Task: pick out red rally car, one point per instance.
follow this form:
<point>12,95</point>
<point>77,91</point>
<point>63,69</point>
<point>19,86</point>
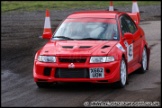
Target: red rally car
<point>92,46</point>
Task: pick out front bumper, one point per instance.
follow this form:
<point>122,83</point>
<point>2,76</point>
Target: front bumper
<point>111,72</point>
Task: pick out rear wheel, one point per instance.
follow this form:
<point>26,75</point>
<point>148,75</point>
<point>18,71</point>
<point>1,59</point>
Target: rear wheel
<point>123,75</point>
<point>144,61</point>
<point>44,84</point>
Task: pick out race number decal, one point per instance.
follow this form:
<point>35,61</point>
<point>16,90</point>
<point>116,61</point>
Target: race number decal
<point>130,52</point>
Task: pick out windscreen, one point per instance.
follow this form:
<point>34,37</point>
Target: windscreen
<point>88,28</point>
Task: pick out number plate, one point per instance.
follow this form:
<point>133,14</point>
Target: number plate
<point>96,72</point>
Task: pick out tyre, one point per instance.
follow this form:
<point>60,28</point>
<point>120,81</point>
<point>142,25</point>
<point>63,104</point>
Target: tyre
<point>43,84</point>
<point>144,61</point>
<point>123,75</point>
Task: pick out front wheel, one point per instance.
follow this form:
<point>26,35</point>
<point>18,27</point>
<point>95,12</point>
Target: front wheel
<point>123,75</point>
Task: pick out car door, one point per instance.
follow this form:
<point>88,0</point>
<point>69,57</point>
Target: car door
<point>137,40</point>
<point>132,45</point>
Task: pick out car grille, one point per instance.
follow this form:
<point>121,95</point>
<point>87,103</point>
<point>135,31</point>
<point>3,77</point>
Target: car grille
<point>71,73</point>
<point>72,60</point>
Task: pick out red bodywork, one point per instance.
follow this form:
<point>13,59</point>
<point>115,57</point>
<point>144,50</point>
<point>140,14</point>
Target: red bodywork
<point>93,48</point>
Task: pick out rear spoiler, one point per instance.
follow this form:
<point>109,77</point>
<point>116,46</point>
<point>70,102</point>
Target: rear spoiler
<point>135,16</point>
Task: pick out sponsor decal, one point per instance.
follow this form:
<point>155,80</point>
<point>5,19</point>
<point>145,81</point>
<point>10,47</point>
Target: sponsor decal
<point>120,47</point>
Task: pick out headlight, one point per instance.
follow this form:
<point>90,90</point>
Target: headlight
<point>101,59</point>
<point>47,58</point>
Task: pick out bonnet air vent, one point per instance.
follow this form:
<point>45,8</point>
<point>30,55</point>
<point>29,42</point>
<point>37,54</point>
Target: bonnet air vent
<point>105,46</point>
<point>67,46</point>
<point>85,46</point>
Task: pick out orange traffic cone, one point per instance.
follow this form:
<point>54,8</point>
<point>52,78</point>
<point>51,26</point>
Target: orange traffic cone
<point>47,26</point>
<point>111,8</point>
<point>135,8</point>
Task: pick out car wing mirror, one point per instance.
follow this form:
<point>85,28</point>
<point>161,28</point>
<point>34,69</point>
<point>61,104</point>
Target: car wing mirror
<point>128,35</point>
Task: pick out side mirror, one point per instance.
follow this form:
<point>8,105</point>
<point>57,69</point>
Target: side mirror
<point>47,35</point>
<point>128,35</point>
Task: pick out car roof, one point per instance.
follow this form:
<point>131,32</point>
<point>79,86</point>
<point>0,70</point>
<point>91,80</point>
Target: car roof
<point>94,14</point>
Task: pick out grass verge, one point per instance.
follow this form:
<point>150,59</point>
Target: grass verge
<point>60,5</point>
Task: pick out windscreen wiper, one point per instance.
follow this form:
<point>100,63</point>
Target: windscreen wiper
<point>63,37</point>
<point>91,39</point>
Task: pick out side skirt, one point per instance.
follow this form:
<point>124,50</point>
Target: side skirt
<point>133,68</point>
